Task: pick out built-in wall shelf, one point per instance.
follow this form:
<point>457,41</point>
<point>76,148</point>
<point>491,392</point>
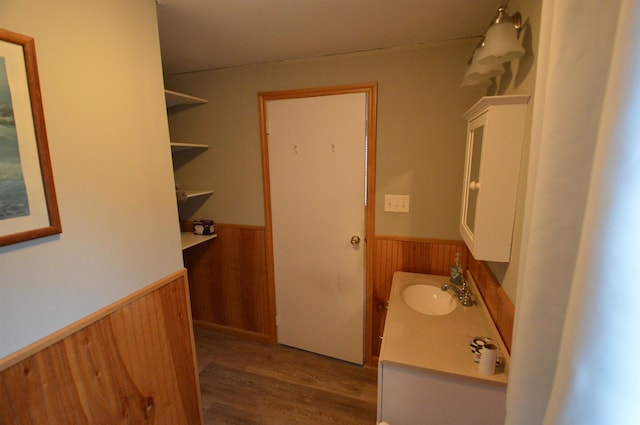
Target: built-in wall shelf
<point>173,98</point>
<point>188,239</point>
<point>194,193</point>
<point>177,147</point>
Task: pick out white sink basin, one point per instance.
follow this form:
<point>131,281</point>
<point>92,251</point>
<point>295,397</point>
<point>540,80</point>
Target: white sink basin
<point>427,299</point>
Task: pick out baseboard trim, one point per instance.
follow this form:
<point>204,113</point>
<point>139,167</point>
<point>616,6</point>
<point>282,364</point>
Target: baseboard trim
<point>421,240</point>
<point>228,330</point>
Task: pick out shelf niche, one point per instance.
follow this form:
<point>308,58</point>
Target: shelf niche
<point>177,147</point>
<point>173,98</point>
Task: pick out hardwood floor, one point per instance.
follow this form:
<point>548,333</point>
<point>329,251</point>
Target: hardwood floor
<point>246,382</point>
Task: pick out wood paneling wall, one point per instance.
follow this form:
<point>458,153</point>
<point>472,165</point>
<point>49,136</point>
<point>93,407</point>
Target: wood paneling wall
<point>230,292</point>
<point>498,303</point>
<point>394,254</point>
<point>229,287</point>
<point>130,363</point>
<point>433,257</point>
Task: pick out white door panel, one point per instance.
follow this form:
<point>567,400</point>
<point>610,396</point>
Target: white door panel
<point>317,162</point>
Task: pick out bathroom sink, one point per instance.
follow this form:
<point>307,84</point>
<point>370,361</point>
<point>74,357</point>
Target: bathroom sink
<point>428,299</point>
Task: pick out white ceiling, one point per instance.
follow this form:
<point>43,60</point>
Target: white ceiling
<point>210,34</point>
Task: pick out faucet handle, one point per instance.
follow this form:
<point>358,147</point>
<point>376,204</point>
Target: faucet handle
<point>466,298</point>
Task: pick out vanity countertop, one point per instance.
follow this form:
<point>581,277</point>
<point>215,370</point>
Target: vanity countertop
<point>438,343</point>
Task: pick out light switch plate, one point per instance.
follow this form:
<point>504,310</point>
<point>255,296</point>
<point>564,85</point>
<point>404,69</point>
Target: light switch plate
<point>396,203</point>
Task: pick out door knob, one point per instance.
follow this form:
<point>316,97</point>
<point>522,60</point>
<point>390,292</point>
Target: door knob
<point>355,240</point>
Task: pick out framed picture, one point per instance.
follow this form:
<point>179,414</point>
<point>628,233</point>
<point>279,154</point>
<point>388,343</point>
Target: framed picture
<point>28,206</point>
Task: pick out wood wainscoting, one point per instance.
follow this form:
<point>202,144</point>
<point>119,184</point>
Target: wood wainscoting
<point>394,253</point>
<point>431,256</point>
<point>498,303</point>
<point>132,362</point>
<point>230,292</point>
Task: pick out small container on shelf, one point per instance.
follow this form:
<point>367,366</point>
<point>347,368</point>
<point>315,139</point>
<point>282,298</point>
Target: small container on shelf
<point>203,227</point>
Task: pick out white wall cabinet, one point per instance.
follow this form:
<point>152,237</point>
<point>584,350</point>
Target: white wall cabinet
<point>495,133</point>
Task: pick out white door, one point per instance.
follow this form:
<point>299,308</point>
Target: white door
<point>317,181</point>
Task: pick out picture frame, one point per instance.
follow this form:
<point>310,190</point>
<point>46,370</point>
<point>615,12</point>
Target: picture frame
<point>28,203</point>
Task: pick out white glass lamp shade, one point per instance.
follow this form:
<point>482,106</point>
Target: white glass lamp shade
<point>500,44</point>
<point>478,73</point>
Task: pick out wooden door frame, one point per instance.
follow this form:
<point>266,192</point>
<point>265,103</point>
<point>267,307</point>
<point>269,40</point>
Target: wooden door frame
<point>371,89</point>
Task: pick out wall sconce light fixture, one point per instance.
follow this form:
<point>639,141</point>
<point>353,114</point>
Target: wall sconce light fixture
<point>499,45</point>
<point>480,73</point>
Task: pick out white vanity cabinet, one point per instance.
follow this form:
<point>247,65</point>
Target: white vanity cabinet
<point>426,371</point>
<point>495,133</point>
<point>410,396</point>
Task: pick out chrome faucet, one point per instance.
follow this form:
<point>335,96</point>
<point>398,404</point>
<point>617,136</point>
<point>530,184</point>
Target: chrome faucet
<point>458,283</point>
<point>462,292</point>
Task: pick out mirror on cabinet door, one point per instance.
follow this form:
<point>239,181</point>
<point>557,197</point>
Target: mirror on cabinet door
<point>495,132</point>
<point>473,181</point>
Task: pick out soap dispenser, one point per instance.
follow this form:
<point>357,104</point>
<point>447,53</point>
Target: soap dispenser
<point>456,273</point>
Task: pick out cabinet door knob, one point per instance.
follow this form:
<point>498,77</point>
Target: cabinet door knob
<point>355,240</point>
<point>474,185</point>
